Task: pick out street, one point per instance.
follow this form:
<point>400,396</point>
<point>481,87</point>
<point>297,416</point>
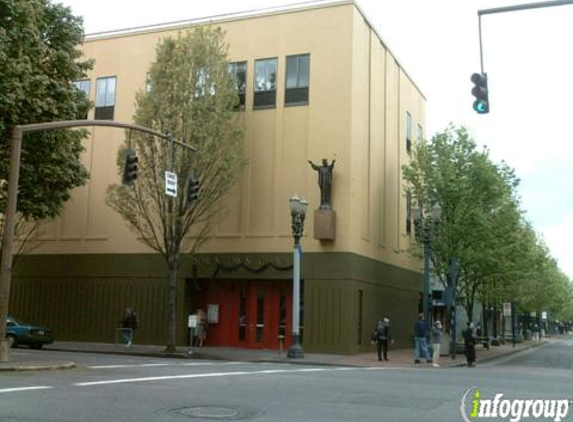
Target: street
<point>106,388</point>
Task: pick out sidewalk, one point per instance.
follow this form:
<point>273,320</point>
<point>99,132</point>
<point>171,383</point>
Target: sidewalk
<point>26,359</point>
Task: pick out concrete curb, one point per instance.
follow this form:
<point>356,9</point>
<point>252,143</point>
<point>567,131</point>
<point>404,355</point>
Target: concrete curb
<point>502,355</point>
<point>176,355</point>
<point>36,367</point>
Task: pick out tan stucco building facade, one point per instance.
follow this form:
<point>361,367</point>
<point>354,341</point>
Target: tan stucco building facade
<point>361,109</point>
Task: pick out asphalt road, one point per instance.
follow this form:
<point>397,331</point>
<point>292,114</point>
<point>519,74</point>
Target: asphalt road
<point>108,388</point>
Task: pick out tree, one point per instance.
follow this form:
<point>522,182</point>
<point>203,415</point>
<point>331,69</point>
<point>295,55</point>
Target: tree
<point>192,95</point>
<point>479,208</point>
<point>483,228</point>
<point>39,61</point>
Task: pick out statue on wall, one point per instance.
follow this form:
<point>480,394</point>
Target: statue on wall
<point>324,182</point>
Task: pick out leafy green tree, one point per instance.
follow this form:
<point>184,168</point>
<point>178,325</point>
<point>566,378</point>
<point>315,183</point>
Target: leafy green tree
<point>192,95</point>
<point>479,208</point>
<point>39,60</point>
<point>501,259</point>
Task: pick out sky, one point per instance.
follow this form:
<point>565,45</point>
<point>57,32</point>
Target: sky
<point>526,56</point>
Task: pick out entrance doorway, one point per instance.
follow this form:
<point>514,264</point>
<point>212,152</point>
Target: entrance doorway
<point>251,314</point>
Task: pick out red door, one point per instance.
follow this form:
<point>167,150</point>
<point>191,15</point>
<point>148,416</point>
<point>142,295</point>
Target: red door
<point>252,314</point>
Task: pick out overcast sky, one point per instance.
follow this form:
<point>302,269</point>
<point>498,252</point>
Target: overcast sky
<point>527,56</point>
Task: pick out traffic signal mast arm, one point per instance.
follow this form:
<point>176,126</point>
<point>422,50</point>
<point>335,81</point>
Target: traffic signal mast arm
<point>481,104</point>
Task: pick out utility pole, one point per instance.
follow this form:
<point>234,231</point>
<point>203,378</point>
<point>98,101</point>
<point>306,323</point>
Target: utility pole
<point>12,199</point>
<point>481,105</point>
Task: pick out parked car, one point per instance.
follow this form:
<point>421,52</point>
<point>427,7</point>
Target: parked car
<point>34,336</point>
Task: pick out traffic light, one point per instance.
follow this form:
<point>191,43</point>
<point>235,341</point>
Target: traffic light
<point>479,91</point>
<point>192,190</point>
<point>130,167</point>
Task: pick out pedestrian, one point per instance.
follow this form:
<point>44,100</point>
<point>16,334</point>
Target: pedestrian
<point>470,344</point>
<point>129,324</point>
<point>201,329</point>
<point>436,341</point>
<point>420,343</point>
<point>381,336</point>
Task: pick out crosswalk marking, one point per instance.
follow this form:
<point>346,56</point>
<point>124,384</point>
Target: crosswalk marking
<point>13,390</point>
<point>150,365</point>
<point>212,375</point>
<point>200,375</point>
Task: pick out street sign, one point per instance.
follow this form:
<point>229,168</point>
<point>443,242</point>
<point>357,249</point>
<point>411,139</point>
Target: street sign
<point>171,184</point>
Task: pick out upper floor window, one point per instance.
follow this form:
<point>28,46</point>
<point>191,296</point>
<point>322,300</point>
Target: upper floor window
<point>105,98</point>
<point>203,83</point>
<point>85,86</point>
<point>148,82</point>
<point>408,131</point>
<point>408,212</point>
<point>238,71</point>
<point>420,133</point>
<point>265,83</point>
<point>297,79</point>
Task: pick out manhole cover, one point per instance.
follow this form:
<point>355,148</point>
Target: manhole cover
<point>210,412</point>
<point>215,412</point>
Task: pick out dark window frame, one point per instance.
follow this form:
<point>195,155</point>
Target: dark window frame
<point>265,99</point>
<point>301,89</point>
<point>408,131</point>
<point>78,85</point>
<point>241,91</point>
<point>106,111</point>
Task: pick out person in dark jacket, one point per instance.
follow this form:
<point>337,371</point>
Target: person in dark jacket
<point>129,324</point>
<point>470,344</point>
<point>382,337</point>
<point>420,342</point>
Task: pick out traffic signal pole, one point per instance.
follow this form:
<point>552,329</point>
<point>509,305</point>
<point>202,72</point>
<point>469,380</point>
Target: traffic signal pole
<point>517,7</point>
<point>12,199</point>
<point>480,90</point>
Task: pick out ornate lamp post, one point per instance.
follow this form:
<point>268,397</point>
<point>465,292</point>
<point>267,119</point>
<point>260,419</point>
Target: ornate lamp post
<point>423,230</point>
<point>298,208</point>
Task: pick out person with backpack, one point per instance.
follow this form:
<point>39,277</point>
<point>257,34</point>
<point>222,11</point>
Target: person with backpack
<point>381,335</point>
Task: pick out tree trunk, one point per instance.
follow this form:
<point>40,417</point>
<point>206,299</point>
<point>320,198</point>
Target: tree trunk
<point>171,345</point>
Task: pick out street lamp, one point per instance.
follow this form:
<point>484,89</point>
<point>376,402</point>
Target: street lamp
<point>423,230</point>
<point>298,208</point>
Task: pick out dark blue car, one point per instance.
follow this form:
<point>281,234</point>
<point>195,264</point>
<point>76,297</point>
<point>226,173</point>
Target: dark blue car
<point>34,336</point>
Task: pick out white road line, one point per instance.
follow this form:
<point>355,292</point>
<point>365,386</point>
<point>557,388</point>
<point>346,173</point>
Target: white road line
<point>13,390</point>
<point>148,365</point>
<point>209,375</point>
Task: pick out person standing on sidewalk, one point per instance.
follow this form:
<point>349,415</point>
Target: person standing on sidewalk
<point>382,335</point>
<point>436,341</point>
<point>420,343</point>
<point>470,344</point>
<point>129,323</point>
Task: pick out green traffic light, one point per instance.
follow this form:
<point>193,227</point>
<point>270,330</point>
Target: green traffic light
<point>481,107</point>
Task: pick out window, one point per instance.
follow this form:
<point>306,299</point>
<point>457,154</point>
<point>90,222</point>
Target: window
<point>420,133</point>
<point>297,79</point>
<point>265,83</point>
<point>105,98</point>
<point>203,83</point>
<point>408,212</point>
<point>148,82</point>
<point>85,86</point>
<point>238,73</point>
<point>408,131</point>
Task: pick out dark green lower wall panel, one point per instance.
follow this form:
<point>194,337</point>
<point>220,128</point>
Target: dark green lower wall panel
<point>82,297</point>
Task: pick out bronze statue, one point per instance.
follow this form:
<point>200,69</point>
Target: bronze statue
<point>324,182</point>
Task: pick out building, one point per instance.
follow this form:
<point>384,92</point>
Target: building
<point>351,102</point>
